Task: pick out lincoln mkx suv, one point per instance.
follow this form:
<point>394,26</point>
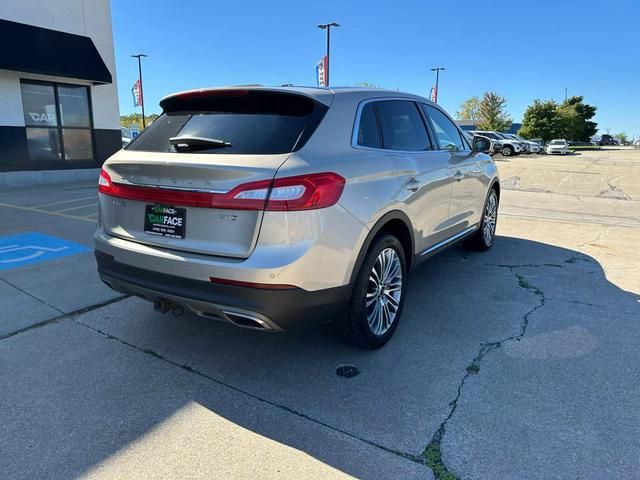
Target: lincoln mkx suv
<point>276,208</point>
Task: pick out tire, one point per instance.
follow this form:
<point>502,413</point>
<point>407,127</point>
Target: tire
<point>507,151</point>
<point>371,326</point>
<point>484,237</point>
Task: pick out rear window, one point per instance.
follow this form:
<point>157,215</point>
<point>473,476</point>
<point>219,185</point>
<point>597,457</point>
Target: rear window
<point>232,122</point>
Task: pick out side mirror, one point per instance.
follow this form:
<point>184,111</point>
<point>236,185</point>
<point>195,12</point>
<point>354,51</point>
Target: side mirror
<point>481,144</point>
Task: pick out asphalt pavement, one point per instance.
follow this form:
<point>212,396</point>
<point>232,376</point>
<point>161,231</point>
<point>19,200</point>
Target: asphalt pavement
<point>520,362</point>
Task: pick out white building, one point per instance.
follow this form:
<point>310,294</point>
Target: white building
<point>58,96</point>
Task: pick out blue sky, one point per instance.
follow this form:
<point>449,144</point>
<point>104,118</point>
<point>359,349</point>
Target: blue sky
<point>520,49</point>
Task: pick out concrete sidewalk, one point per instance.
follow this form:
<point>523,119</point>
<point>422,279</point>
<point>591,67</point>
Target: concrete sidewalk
<point>39,292</point>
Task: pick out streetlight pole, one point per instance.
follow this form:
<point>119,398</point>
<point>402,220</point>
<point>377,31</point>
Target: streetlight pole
<point>139,57</point>
<point>437,70</point>
<point>327,27</point>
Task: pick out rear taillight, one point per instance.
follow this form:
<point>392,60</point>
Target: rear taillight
<point>104,182</point>
<point>303,192</point>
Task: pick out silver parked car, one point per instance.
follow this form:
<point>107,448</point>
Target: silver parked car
<point>275,208</point>
<point>559,146</point>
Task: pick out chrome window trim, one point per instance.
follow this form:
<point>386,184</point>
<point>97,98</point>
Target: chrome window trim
<point>416,101</point>
<point>356,125</point>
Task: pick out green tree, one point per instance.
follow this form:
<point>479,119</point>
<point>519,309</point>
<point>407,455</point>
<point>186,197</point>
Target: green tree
<point>576,118</point>
<point>541,120</point>
<point>469,109</point>
<point>135,120</point>
<point>622,136</point>
<point>492,113</point>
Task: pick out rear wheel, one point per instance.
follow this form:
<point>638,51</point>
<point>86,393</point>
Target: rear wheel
<point>484,237</point>
<point>378,295</point>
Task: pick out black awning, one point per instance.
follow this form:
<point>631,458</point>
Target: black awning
<point>26,48</point>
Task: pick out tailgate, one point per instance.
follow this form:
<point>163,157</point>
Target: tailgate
<point>161,212</point>
<point>197,179</point>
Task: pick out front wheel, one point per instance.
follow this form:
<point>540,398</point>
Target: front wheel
<point>378,295</point>
<point>507,150</point>
<point>485,235</point>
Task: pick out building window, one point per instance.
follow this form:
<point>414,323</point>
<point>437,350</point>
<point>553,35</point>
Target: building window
<point>58,122</point>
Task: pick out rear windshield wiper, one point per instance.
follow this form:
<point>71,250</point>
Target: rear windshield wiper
<point>197,143</point>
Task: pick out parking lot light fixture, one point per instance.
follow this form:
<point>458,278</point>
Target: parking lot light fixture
<point>327,27</point>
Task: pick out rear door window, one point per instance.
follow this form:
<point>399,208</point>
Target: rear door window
<point>402,126</point>
<point>368,131</point>
<point>447,134</point>
<point>245,122</point>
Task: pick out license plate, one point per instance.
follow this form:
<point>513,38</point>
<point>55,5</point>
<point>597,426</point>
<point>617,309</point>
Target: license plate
<point>165,221</point>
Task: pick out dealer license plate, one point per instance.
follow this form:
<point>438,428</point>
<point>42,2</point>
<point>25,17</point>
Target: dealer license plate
<point>165,221</point>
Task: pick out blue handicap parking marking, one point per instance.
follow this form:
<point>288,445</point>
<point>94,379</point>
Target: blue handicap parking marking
<point>28,248</point>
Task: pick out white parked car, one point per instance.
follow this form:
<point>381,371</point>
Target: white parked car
<point>559,146</point>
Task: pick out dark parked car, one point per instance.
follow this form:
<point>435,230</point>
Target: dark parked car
<point>607,140</point>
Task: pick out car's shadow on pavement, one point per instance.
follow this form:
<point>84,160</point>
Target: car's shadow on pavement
<point>462,309</point>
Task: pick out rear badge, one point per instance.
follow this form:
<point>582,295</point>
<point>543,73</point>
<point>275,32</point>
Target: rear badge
<point>227,218</point>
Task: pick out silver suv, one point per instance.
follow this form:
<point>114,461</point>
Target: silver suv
<point>275,208</point>
<point>508,146</point>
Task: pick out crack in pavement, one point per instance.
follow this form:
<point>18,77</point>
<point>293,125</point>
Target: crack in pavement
<point>580,255</point>
<point>64,316</point>
<point>432,454</point>
<point>192,370</point>
<point>22,290</point>
<point>523,265</point>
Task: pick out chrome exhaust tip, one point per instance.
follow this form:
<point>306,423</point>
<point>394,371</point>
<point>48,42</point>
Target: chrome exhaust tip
<point>246,321</point>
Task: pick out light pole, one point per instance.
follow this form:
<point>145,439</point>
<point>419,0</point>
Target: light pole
<point>327,27</point>
<point>139,57</point>
<point>437,70</point>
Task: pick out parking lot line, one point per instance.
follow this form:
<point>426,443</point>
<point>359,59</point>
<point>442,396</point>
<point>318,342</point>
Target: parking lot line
<point>47,212</point>
<point>87,205</point>
<point>65,201</point>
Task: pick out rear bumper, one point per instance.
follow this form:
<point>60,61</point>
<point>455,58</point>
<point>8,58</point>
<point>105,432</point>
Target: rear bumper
<point>265,309</point>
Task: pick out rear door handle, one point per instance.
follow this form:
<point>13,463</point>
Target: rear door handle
<point>413,185</point>
<point>458,175</point>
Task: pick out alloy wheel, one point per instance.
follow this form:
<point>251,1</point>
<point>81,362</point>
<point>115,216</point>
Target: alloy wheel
<point>490,218</point>
<point>384,291</point>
